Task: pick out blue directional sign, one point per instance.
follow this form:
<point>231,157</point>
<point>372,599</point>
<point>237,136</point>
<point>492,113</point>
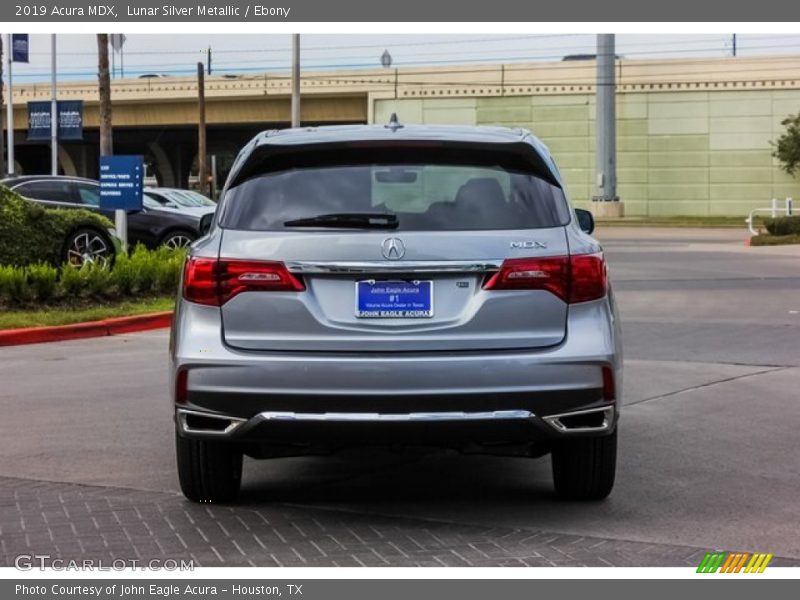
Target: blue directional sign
<point>121,181</point>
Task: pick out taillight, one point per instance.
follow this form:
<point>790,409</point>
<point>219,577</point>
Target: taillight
<point>551,274</point>
<point>578,278</point>
<point>213,282</point>
<point>588,277</point>
<point>237,276</point>
<point>200,281</point>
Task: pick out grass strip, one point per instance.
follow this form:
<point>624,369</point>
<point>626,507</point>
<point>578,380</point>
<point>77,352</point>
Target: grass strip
<point>65,315</point>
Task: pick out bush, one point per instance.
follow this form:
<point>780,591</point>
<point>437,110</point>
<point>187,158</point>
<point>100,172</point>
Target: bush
<point>43,279</point>
<point>124,280</point>
<point>14,288</point>
<point>97,280</point>
<point>168,268</point>
<point>144,265</point>
<point>71,283</point>
<point>31,234</point>
<point>774,240</point>
<point>783,225</point>
<point>143,273</point>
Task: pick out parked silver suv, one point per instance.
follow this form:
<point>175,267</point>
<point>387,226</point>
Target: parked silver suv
<point>413,285</point>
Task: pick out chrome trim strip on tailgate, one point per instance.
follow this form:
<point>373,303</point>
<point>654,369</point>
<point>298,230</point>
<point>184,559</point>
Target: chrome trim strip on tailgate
<point>422,266</point>
<point>399,417</point>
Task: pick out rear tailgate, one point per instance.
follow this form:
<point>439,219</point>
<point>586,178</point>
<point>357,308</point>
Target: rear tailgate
<point>462,315</point>
<point>446,215</point>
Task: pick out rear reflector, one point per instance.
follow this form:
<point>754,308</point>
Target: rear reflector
<point>181,386</point>
<point>578,278</point>
<point>213,282</point>
<point>609,387</point>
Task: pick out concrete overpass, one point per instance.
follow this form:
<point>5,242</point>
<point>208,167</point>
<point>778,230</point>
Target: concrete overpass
<point>157,117</point>
<point>679,120</point>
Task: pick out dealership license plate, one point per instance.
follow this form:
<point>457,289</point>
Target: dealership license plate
<point>394,299</point>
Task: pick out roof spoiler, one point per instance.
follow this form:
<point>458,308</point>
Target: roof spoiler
<point>270,158</point>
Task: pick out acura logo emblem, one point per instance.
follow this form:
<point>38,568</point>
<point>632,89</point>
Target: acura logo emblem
<point>393,249</point>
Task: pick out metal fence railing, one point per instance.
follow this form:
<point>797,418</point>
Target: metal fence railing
<point>773,211</point>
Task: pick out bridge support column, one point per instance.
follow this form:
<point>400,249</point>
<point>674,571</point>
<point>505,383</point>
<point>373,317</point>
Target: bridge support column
<point>163,165</point>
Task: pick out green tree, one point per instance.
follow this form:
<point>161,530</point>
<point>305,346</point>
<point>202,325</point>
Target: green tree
<point>787,148</point>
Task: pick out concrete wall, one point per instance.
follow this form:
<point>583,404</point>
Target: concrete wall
<point>683,152</point>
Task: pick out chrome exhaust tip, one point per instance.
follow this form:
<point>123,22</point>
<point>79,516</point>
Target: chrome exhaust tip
<point>202,423</point>
<point>591,420</point>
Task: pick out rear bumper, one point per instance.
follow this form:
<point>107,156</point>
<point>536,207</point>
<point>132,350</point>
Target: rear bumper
<point>343,398</point>
<point>327,431</point>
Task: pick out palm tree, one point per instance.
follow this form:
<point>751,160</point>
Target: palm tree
<point>106,142</point>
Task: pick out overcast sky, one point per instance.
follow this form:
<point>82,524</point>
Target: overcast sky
<point>178,54</point>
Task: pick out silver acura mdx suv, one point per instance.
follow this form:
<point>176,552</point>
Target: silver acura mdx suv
<point>395,285</point>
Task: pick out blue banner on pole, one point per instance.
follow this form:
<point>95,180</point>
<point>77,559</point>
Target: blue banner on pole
<point>70,120</point>
<point>121,182</point>
<point>19,47</point>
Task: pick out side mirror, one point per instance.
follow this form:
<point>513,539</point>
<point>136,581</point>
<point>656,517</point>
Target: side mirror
<point>205,224</point>
<point>585,220</point>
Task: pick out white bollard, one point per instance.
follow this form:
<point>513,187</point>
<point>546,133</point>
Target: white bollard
<point>774,207</point>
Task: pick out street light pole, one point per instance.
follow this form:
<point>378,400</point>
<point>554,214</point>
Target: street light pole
<point>2,136</point>
<point>606,136</point>
<point>10,101</point>
<point>53,109</point>
<point>296,80</point>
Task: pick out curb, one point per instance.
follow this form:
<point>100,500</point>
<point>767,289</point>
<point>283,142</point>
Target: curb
<point>75,331</point>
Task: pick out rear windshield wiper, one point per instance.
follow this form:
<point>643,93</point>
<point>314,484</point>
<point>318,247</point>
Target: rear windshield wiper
<point>351,220</point>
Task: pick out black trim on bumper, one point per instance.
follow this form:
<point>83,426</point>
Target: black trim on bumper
<point>540,403</point>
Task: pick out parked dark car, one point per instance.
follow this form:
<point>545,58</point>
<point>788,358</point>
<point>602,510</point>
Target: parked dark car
<point>31,233</point>
<point>153,226</point>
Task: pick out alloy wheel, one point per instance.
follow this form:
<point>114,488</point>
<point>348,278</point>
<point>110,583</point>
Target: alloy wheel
<point>87,247</point>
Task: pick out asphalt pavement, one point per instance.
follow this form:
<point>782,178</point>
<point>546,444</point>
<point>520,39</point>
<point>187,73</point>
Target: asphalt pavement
<point>708,435</point>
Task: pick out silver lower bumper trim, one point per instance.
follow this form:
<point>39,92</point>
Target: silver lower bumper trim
<point>396,417</point>
<point>229,424</point>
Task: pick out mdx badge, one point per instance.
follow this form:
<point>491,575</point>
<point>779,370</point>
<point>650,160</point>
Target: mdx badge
<point>528,244</point>
<point>393,249</point>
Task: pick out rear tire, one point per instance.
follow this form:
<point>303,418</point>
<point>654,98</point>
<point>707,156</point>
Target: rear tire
<point>584,468</point>
<point>209,471</point>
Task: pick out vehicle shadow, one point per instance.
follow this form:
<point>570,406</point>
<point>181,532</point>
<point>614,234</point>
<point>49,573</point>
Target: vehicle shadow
<point>370,478</point>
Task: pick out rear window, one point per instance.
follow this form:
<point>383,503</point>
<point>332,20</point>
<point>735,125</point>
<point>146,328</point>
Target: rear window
<point>438,196</point>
